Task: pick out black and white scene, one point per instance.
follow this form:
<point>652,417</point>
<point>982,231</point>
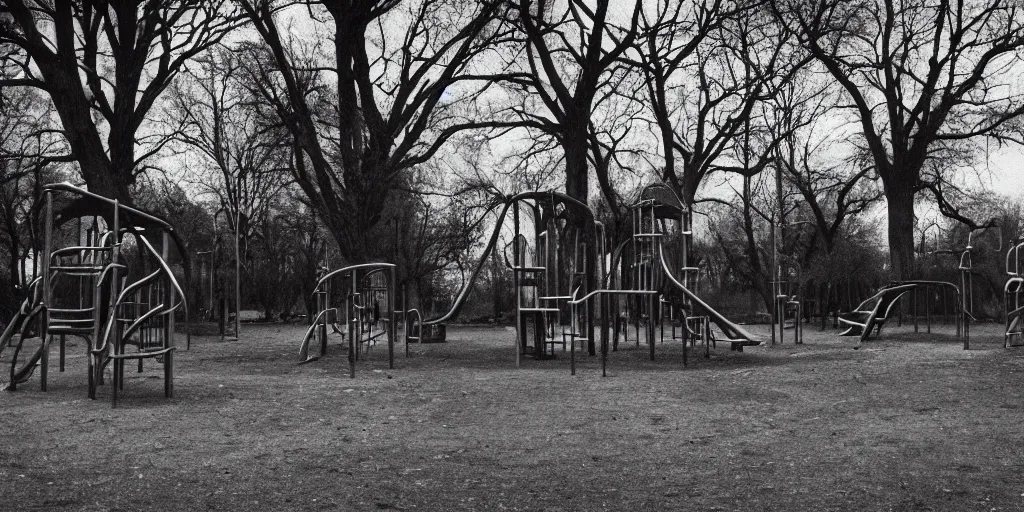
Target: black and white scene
<point>534,255</point>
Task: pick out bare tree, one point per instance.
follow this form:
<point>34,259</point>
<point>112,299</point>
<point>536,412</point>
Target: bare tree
<point>707,67</point>
<point>213,115</point>
<point>833,189</point>
<point>113,59</point>
<point>571,55</point>
<point>31,152</point>
<point>923,77</point>
<point>389,104</point>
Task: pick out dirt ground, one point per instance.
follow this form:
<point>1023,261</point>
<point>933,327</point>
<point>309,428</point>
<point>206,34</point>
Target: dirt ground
<point>912,422</point>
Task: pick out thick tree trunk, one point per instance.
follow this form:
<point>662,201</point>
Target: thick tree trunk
<point>900,198</point>
<point>576,175</point>
<point>82,135</point>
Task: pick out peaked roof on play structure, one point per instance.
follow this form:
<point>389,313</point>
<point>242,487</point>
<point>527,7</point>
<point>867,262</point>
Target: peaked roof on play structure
<point>667,204</point>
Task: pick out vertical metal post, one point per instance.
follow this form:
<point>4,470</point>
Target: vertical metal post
<point>238,273</point>
<point>572,340</point>
<point>604,349</point>
<point>928,308</point>
<point>650,323</point>
<point>913,299</point>
<point>516,264</point>
<point>966,279</point>
<point>169,326</point>
<point>393,325</point>
<point>44,316</point>
<point>212,275</point>
<point>406,327</point>
<point>115,279</point>
<point>353,326</point>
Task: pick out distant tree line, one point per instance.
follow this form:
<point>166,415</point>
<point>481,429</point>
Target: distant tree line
<point>332,132</point>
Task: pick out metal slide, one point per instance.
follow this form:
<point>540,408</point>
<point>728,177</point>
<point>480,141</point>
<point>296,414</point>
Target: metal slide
<point>467,287</point>
<point>863,319</point>
<point>732,331</point>
<point>20,325</point>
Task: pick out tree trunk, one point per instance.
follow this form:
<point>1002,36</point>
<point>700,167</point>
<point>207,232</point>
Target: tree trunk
<point>576,175</point>
<point>900,198</point>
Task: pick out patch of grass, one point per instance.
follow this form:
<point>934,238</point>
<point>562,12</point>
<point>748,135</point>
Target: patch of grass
<point>911,422</point>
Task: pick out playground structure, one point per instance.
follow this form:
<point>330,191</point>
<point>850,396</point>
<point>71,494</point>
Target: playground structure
<point>366,311</point>
<point>874,311</point>
<point>786,289</point>
<point>1013,295</point>
<point>109,283</point>
<point>643,271</point>
<point>789,305</point>
<point>542,289</point>
<point>546,270</point>
<point>558,257</point>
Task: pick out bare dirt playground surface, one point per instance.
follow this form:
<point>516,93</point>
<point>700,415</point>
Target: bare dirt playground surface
<point>911,422</point>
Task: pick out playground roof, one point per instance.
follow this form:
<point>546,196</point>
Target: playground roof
<point>667,203</point>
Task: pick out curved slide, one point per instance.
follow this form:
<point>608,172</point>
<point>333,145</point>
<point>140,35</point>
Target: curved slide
<point>20,324</point>
<point>498,224</point>
<point>874,311</point>
<point>732,331</point>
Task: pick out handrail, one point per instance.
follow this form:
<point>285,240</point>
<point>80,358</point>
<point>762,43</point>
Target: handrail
<point>304,347</point>
<point>12,326</point>
<point>136,285</point>
<point>103,275</point>
<point>174,282</point>
<point>156,311</point>
<point>113,316</point>
<point>167,270</point>
<point>30,291</point>
<point>1013,280</point>
<point>68,187</point>
<point>1015,250</point>
<point>79,248</point>
<point>19,376</point>
<point>969,265</point>
<point>350,268</point>
<point>612,292</point>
